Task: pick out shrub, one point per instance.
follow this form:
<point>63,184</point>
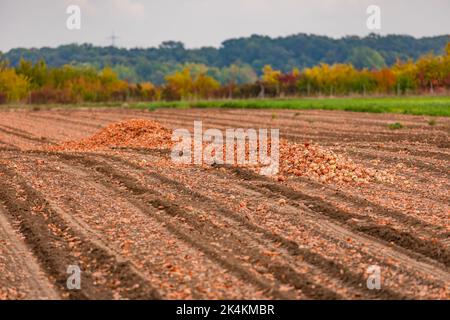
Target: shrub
<point>50,95</point>
<point>395,126</point>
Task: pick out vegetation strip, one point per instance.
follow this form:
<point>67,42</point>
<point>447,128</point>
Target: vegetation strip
<point>439,106</point>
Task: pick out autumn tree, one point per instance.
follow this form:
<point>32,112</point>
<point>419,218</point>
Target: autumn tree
<point>36,74</point>
<point>405,74</point>
<point>78,83</point>
<point>316,79</point>
<point>270,79</point>
<point>204,86</point>
<point>180,84</point>
<point>446,67</point>
<point>13,86</point>
<point>385,79</point>
<point>148,91</point>
<point>365,82</point>
<point>428,72</point>
<point>288,82</point>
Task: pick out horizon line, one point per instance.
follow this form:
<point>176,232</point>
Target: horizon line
<point>237,38</point>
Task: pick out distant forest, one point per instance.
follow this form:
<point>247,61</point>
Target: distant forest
<point>249,54</point>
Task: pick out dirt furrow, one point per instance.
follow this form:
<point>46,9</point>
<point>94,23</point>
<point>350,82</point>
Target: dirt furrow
<point>390,159</point>
<point>358,203</point>
<point>22,135</point>
<point>134,228</point>
<point>22,278</point>
<point>140,226</point>
<point>7,145</point>
<point>362,136</point>
<point>48,118</point>
<point>58,246</point>
<point>327,117</point>
<point>378,252</point>
<point>410,151</point>
<point>54,131</point>
<point>210,232</point>
<point>179,188</point>
<point>242,225</point>
<point>308,125</point>
<point>405,240</point>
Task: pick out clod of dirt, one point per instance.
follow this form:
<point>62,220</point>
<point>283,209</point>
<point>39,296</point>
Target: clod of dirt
<point>134,133</point>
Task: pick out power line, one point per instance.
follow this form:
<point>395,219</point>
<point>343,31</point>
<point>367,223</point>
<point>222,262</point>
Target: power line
<point>113,39</point>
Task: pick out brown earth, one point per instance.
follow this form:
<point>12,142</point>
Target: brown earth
<point>140,227</point>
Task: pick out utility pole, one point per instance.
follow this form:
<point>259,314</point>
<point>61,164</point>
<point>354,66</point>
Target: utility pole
<point>113,39</point>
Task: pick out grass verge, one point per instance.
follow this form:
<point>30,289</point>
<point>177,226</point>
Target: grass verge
<point>417,105</point>
<point>431,106</point>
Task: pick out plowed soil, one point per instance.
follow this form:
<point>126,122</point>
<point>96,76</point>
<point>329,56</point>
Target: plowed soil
<point>140,227</point>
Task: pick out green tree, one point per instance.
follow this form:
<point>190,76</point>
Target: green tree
<point>36,74</point>
<point>126,73</point>
<point>364,57</point>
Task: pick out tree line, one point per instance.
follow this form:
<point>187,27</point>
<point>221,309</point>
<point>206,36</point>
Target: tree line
<point>39,83</point>
<point>250,54</point>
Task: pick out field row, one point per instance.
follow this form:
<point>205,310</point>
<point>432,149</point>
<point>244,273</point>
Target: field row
<point>140,227</point>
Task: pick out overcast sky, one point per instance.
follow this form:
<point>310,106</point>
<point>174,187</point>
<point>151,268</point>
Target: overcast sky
<point>145,23</point>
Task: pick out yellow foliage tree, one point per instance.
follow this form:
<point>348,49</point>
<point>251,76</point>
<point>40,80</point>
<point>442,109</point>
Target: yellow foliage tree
<point>15,87</point>
<point>181,82</point>
<point>270,76</point>
<point>205,86</point>
<point>405,74</point>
